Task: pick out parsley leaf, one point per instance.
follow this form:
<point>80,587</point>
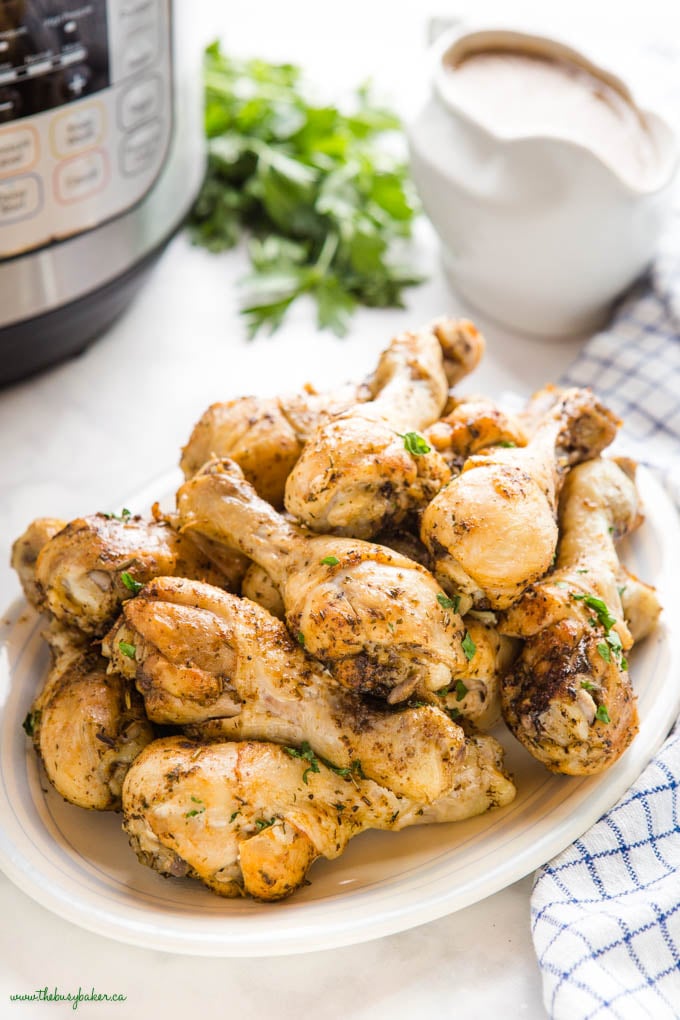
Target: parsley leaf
<point>330,561</point>
<point>599,606</point>
<point>446,603</point>
<point>604,651</point>
<point>306,754</point>
<point>130,583</point>
<point>461,689</point>
<point>469,647</point>
<point>127,649</point>
<point>124,515</point>
<point>415,444</point>
<point>602,714</point>
<point>195,811</point>
<point>301,638</point>
<point>264,823</point>
<point>321,196</point>
<point>30,722</point>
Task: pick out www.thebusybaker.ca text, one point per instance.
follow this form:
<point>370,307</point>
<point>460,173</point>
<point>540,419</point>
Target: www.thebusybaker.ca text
<point>45,995</point>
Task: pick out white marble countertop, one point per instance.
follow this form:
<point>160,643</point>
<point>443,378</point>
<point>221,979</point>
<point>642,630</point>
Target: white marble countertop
<point>88,434</point>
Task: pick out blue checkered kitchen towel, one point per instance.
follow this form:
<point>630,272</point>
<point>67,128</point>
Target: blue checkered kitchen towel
<point>606,911</point>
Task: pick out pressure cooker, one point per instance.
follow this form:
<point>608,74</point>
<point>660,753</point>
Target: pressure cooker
<point>101,157</point>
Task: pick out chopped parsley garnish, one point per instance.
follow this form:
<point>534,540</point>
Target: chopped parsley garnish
<point>130,583</point>
<point>621,590</point>
<point>599,606</point>
<point>301,638</point>
<point>352,770</point>
<point>453,712</point>
<point>446,603</point>
<point>469,647</point>
<point>415,444</point>
<point>461,689</point>
<point>391,626</point>
<point>307,755</point>
<point>30,722</point>
<point>602,714</point>
<point>196,811</point>
<point>124,515</point>
<point>587,686</point>
<point>604,651</point>
<point>330,561</point>
<point>507,443</point>
<point>127,649</point>
<point>235,814</point>
<point>583,570</point>
<point>264,823</point>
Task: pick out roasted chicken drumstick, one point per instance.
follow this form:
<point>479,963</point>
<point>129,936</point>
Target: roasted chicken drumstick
<point>375,618</point>
<point>86,725</point>
<point>264,435</point>
<point>366,468</point>
<point>200,656</point>
<point>568,698</point>
<point>87,569</point>
<point>492,531</point>
<point>250,818</point>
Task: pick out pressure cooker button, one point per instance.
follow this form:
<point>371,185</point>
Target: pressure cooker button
<point>140,50</point>
<point>20,198</point>
<point>10,105</point>
<point>80,177</point>
<point>140,102</point>
<point>77,129</point>
<point>140,148</point>
<point>75,82</point>
<point>18,150</point>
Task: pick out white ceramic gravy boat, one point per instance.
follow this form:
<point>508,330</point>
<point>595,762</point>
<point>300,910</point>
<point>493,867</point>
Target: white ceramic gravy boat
<point>538,231</point>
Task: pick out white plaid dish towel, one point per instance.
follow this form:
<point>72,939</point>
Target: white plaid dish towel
<point>606,912</point>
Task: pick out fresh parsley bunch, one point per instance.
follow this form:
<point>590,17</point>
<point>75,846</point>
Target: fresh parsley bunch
<point>320,194</point>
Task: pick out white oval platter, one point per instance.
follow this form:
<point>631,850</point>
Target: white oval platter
<point>79,865</point>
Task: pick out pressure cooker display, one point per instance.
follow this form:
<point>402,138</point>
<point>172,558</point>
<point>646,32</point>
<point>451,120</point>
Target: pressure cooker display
<point>85,114</point>
<point>51,53</point>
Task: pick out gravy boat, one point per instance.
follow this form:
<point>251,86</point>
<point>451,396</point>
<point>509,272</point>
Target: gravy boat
<point>538,231</point>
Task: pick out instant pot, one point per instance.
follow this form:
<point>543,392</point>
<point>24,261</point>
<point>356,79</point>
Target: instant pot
<point>101,157</point>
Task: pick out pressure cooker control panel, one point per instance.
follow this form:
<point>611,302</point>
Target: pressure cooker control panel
<point>85,113</point>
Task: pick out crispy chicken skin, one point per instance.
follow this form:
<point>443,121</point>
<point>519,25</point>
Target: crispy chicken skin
<point>355,475</point>
<point>25,553</point>
<point>492,531</point>
<point>264,435</point>
<point>569,698</point>
<point>471,424</point>
<point>223,664</point>
<point>79,570</point>
<point>87,726</point>
<point>372,616</point>
<point>249,819</point>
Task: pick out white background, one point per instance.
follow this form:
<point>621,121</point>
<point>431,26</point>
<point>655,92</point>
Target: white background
<point>86,435</point>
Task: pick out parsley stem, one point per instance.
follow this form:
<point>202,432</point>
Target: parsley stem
<point>327,254</point>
